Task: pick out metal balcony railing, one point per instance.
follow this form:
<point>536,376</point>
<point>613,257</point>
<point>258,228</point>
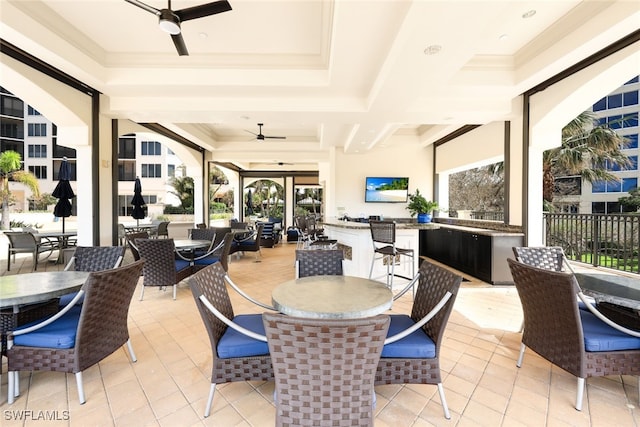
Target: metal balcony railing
<point>611,240</point>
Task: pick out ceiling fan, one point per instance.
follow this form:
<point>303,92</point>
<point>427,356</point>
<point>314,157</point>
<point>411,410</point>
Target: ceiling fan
<point>169,20</point>
<point>261,137</point>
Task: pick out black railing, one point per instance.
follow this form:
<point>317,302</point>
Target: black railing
<point>488,215</point>
<point>611,241</point>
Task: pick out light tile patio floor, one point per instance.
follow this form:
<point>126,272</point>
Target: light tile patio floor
<point>169,383</point>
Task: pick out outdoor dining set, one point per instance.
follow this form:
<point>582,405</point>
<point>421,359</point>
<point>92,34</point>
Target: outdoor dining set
<point>321,322</point>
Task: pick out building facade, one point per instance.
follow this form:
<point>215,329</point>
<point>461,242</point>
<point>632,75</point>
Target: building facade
<point>26,131</point>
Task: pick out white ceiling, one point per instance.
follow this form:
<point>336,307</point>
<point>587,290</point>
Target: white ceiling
<point>350,74</point>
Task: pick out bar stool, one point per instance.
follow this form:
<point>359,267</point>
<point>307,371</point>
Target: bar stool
<point>383,234</point>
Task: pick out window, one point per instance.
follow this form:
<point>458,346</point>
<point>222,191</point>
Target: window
<point>39,171</point>
<point>630,98</point>
<point>37,150</point>
<point>37,129</point>
<point>632,141</point>
<point>600,105</point>
<point>171,171</point>
<point>598,187</point>
<point>615,101</point>
<point>170,151</point>
<point>151,170</point>
<point>633,80</point>
<point>126,170</point>
<point>629,184</point>
<point>32,111</point>
<point>151,148</point>
<point>150,200</point>
<point>72,169</point>
<point>127,148</point>
<point>11,106</point>
<point>630,120</point>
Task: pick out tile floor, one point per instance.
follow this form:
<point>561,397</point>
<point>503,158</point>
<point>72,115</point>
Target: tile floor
<point>169,383</point>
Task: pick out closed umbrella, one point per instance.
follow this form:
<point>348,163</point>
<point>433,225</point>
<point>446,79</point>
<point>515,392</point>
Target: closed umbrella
<point>139,206</point>
<point>63,192</point>
<point>249,203</point>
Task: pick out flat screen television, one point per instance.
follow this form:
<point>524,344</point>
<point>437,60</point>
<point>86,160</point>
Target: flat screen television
<point>386,190</point>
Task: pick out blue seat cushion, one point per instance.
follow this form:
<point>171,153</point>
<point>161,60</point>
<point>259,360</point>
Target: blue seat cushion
<point>182,264</point>
<point>598,336</point>
<point>207,261</point>
<point>417,345</point>
<point>66,299</point>
<point>234,344</point>
<point>244,243</point>
<point>59,334</point>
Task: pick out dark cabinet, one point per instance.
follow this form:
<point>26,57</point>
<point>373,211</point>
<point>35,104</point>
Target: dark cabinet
<point>481,255</point>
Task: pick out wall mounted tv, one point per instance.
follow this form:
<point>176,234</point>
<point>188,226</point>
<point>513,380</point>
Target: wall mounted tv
<point>386,190</point>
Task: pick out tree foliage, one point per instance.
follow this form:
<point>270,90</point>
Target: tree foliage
<point>587,149</point>
<point>10,170</point>
<point>183,187</point>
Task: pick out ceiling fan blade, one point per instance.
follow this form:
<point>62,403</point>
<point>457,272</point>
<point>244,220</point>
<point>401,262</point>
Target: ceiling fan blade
<point>202,10</point>
<point>252,133</point>
<point>276,137</point>
<point>144,6</point>
<point>178,41</point>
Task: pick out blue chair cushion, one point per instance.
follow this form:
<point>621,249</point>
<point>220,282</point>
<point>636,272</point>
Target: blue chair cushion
<point>207,261</point>
<point>182,264</point>
<point>66,299</point>
<point>59,334</point>
<point>234,344</point>
<point>598,336</point>
<point>417,345</point>
<point>244,243</point>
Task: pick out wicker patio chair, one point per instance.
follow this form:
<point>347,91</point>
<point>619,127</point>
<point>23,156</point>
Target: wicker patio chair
<point>411,354</point>
<point>238,345</point>
<point>25,242</point>
<point>324,369</point>
<point>579,341</point>
<point>161,268</point>
<point>219,253</point>
<point>319,262</point>
<point>81,338</point>
<point>383,236</point>
<point>547,257</point>
<point>131,242</point>
<point>202,234</point>
<point>92,258</point>
<point>162,230</point>
<point>249,242</point>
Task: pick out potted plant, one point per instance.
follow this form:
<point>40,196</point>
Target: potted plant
<point>419,205</point>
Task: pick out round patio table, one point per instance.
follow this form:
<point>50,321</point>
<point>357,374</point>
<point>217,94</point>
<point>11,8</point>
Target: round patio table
<point>30,288</point>
<point>332,297</point>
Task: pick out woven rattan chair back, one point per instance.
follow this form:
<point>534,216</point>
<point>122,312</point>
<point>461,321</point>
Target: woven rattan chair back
<point>383,232</point>
<point>319,262</point>
<point>546,257</point>
<point>203,234</point>
<point>133,246</point>
<point>433,283</point>
<point>97,258</point>
<point>324,369</point>
<point>160,264</point>
<point>102,328</point>
<point>210,282</point>
<point>163,229</point>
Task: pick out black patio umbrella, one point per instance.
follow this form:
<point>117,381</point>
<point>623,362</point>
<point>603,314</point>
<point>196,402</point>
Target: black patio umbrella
<point>139,206</point>
<point>63,192</point>
<point>249,203</point>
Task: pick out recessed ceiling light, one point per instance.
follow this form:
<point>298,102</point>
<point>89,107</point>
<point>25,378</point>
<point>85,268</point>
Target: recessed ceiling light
<point>432,49</point>
<point>503,37</point>
<point>528,14</point>
<point>203,35</point>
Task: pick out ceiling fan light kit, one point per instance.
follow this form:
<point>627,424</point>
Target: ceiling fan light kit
<point>169,23</point>
<point>170,20</point>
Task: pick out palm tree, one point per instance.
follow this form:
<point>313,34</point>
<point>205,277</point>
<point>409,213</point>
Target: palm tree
<point>587,149</point>
<point>183,189</point>
<point>10,164</point>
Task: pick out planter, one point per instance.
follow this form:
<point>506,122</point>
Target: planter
<point>424,218</point>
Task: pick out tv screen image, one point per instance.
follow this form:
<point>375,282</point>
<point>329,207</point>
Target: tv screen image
<point>386,190</point>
